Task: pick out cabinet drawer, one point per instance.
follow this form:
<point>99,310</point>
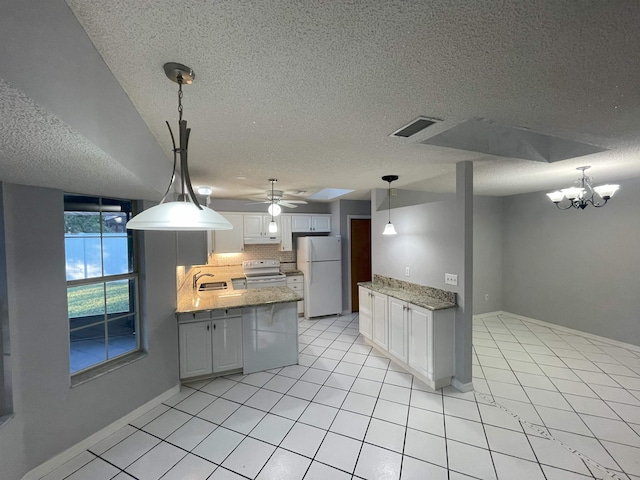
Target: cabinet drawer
<point>294,279</point>
<point>298,288</point>
<point>226,313</point>
<point>194,316</point>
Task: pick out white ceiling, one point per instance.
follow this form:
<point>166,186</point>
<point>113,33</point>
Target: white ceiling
<point>308,92</point>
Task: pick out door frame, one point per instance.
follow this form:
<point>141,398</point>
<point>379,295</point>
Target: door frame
<point>349,218</point>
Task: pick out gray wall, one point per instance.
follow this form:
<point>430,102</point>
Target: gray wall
<point>575,268</point>
<point>487,254</point>
<point>49,415</point>
<point>347,208</point>
<point>427,244</point>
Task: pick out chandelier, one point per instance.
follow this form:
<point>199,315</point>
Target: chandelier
<point>186,213</point>
<point>584,194</point>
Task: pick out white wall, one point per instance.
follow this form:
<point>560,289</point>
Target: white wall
<point>575,268</point>
<point>49,415</point>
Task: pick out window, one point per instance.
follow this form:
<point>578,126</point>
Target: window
<point>102,281</point>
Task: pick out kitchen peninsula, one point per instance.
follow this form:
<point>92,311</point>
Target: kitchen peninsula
<point>231,330</point>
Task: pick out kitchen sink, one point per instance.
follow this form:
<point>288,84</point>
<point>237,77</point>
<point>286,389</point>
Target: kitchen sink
<point>209,286</point>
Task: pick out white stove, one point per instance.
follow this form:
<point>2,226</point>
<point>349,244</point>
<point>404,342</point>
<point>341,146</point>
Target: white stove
<point>263,273</point>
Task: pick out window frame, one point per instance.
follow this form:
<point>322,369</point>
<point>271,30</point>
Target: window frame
<point>102,281</point>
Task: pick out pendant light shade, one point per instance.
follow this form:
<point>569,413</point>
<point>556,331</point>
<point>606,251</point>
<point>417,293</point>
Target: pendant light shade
<point>273,209</point>
<point>179,216</point>
<point>186,213</point>
<point>389,229</point>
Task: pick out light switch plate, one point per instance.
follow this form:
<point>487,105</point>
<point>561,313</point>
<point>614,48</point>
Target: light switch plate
<point>450,279</point>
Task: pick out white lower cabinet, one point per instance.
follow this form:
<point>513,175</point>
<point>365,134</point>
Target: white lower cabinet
<point>420,340</point>
<point>227,344</point>
<point>365,297</point>
<point>196,352</point>
<point>210,342</point>
<point>296,283</point>
<point>398,329</point>
<point>380,321</point>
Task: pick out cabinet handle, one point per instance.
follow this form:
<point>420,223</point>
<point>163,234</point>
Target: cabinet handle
<point>214,326</point>
<point>207,328</point>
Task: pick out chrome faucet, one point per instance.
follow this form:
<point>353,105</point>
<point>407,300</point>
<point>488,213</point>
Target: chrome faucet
<point>197,277</point>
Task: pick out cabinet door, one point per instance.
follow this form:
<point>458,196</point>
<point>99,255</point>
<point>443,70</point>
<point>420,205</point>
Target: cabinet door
<point>380,333</point>
<point>253,226</point>
<point>364,314</point>
<point>321,223</point>
<point>300,223</point>
<point>231,241</point>
<point>286,244</point>
<point>420,330</point>
<point>398,313</point>
<point>227,344</point>
<point>195,349</point>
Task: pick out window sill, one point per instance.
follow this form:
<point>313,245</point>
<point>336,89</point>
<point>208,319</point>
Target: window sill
<point>88,375</point>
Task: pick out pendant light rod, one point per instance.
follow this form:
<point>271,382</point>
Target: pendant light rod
<point>389,228</point>
<point>185,214</point>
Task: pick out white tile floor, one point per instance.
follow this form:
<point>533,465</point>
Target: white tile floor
<point>548,405</point>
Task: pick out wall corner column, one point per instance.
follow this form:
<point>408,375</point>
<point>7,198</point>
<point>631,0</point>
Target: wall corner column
<point>464,313</point>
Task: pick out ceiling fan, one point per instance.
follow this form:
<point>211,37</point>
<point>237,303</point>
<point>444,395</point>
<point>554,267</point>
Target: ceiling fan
<point>275,200</point>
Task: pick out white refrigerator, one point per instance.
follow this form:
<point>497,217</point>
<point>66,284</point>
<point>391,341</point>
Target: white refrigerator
<point>319,259</point>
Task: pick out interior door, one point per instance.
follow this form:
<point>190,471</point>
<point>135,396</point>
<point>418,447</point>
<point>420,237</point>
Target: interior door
<point>360,256</point>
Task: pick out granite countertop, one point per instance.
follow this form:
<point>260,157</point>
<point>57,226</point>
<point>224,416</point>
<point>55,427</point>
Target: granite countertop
<point>190,300</point>
<point>412,293</point>
<point>292,273</point>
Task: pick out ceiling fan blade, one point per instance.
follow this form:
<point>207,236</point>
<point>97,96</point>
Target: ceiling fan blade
<point>256,203</point>
<point>301,202</point>
<point>285,203</point>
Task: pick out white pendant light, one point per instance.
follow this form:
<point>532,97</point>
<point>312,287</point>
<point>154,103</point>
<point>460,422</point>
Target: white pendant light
<point>186,213</point>
<point>273,226</point>
<point>389,229</point>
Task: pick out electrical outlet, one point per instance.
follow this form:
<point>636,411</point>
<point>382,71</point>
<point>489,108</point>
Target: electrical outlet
<point>486,297</point>
<point>450,279</point>
<point>406,271</point>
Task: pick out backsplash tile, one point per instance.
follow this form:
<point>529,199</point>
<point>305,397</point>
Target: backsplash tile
<point>254,252</point>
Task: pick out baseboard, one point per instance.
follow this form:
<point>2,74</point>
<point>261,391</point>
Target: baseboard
<point>461,387</point>
<point>62,458</point>
<point>562,328</point>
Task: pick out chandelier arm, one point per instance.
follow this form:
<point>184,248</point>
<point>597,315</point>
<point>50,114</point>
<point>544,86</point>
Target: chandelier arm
<point>175,160</point>
<point>184,141</point>
<point>565,208</point>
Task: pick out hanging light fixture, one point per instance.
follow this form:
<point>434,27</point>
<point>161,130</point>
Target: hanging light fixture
<point>584,194</point>
<point>273,226</point>
<point>389,229</point>
<point>274,209</point>
<point>185,213</point>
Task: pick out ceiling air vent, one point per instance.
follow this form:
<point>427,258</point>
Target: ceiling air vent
<point>414,127</point>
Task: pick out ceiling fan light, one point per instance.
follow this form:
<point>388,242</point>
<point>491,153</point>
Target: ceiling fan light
<point>204,190</point>
<point>389,229</point>
<point>178,216</point>
<point>606,191</point>
<point>274,209</point>
<point>556,196</point>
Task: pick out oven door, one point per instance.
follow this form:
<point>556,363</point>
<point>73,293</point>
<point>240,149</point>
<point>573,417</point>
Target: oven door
<point>264,282</point>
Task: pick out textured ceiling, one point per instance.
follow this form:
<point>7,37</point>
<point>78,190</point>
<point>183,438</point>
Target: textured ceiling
<point>308,92</point>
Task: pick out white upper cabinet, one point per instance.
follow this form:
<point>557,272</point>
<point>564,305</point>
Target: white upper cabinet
<point>230,241</point>
<point>311,223</point>
<point>286,242</point>
<point>256,229</point>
